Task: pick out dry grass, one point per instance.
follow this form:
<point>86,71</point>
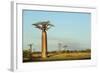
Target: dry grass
<point>60,56</point>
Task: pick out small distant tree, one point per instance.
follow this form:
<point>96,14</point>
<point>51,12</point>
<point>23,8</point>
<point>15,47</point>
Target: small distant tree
<point>26,54</point>
<point>30,50</point>
<point>88,50</point>
<point>65,48</point>
<point>59,46</point>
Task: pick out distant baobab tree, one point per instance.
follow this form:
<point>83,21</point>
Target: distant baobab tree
<point>65,46</point>
<point>30,50</point>
<point>59,46</point>
<point>44,26</point>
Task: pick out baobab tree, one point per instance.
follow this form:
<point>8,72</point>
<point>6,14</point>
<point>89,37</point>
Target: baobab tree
<point>65,46</point>
<point>44,26</point>
<point>59,46</point>
<point>30,50</point>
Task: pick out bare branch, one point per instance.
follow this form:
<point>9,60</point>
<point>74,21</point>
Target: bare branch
<point>43,25</point>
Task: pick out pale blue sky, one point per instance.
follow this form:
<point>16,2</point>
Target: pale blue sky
<point>73,29</point>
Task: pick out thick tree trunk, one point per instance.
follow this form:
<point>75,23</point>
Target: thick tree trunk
<point>44,44</point>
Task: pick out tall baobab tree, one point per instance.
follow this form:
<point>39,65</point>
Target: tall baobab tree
<point>44,26</point>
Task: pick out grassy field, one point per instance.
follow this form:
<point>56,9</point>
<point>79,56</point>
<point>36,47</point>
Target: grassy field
<point>58,56</point>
